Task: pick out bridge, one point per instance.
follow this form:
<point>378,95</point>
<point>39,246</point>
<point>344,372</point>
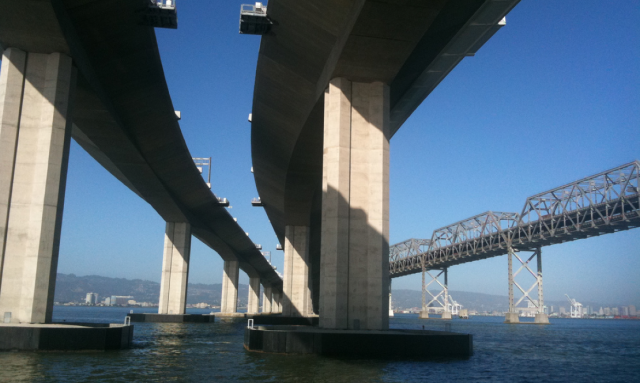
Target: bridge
<point>334,82</point>
<point>91,71</point>
<point>603,203</point>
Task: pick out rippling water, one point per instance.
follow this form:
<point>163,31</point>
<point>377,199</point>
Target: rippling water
<point>567,350</point>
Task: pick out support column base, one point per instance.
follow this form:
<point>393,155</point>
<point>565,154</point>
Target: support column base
<point>357,343</point>
<point>446,315</point>
<point>172,318</point>
<point>231,315</point>
<point>277,319</point>
<point>511,318</point>
<point>541,319</point>
<point>65,337</point>
<point>424,314</point>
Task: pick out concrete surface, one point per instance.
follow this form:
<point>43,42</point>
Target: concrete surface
<point>267,295</point>
<point>229,301</point>
<point>175,268</point>
<point>354,282</point>
<point>37,184</point>
<point>172,318</point>
<point>385,344</point>
<point>511,318</point>
<point>11,89</point>
<point>541,319</point>
<point>277,297</point>
<point>253,305</point>
<point>295,278</point>
<point>65,337</point>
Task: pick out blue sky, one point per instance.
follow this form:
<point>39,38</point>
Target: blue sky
<point>552,97</point>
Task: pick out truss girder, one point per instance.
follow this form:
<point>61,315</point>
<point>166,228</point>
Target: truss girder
<point>406,255</point>
<point>604,203</point>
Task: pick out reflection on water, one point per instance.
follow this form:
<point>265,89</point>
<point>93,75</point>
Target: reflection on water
<point>567,350</point>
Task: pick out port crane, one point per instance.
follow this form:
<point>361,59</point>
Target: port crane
<point>576,308</point>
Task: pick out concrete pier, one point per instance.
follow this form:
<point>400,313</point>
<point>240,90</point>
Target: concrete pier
<point>371,343</point>
<point>36,93</point>
<point>11,90</point>
<point>65,337</point>
<point>276,302</point>
<point>229,301</point>
<point>266,299</point>
<point>175,268</point>
<point>541,318</point>
<point>253,305</point>
<point>172,318</point>
<point>296,272</point>
<point>355,207</point>
<point>511,318</point>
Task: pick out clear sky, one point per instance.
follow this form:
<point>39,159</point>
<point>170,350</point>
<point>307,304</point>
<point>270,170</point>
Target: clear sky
<point>553,97</point>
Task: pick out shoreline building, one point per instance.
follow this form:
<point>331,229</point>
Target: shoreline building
<point>91,299</point>
<point>117,300</point>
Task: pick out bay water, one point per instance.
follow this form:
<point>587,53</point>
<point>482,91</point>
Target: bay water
<point>568,350</point>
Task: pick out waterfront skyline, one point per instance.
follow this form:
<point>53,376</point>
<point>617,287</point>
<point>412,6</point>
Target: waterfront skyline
<point>98,290</point>
<point>551,98</point>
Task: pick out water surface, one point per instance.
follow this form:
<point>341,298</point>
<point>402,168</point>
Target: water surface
<point>567,350</point>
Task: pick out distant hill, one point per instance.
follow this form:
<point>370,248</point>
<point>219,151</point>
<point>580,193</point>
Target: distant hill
<point>73,288</point>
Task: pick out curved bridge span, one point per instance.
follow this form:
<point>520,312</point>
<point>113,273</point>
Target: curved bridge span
<point>91,71</point>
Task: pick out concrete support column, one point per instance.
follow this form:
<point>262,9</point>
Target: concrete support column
<point>390,305</point>
<point>446,314</point>
<point>36,93</point>
<point>424,313</point>
<point>229,302</point>
<point>297,294</point>
<point>355,207</point>
<point>253,305</point>
<point>266,300</point>
<point>11,89</point>
<point>541,316</point>
<point>276,302</point>
<point>175,268</point>
<point>511,316</point>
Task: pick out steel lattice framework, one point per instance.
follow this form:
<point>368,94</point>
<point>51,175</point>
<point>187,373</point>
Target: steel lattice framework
<point>600,204</point>
<point>405,254</point>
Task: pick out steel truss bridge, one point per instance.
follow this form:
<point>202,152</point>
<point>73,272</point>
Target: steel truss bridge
<point>604,203</point>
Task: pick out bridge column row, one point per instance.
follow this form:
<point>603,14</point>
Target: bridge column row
<point>354,273</point>
<point>36,93</point>
<point>175,268</point>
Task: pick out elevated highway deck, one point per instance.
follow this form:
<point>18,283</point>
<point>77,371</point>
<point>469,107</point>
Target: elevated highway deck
<point>123,115</point>
<point>410,46</point>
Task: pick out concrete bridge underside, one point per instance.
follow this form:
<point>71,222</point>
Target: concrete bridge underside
<point>406,46</point>
<point>123,115</point>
